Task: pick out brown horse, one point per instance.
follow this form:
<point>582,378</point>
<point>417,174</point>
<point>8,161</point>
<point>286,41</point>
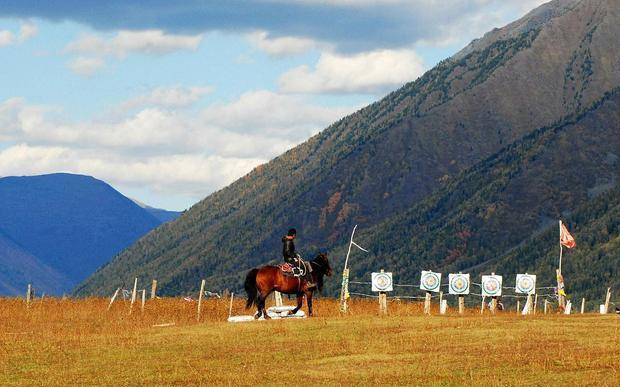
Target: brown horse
<point>259,283</point>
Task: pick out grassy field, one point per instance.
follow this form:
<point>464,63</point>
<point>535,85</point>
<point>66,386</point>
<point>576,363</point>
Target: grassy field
<point>68,342</point>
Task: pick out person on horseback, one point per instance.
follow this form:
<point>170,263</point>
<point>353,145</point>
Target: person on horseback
<point>292,257</point>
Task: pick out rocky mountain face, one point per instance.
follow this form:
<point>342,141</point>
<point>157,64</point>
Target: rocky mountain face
<point>395,155</point>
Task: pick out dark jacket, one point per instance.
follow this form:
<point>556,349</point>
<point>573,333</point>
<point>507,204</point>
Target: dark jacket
<point>288,250</point>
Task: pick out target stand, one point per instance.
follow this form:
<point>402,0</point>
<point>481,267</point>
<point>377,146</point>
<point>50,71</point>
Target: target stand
<point>458,284</point>
<point>492,287</point>
<point>382,282</point>
<point>429,282</point>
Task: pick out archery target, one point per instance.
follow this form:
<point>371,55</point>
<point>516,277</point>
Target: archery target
<point>382,282</point>
<point>458,284</point>
<point>430,281</point>
<point>491,285</point>
<point>526,284</point>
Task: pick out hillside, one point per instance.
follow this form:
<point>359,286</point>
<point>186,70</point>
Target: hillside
<point>63,225</point>
<point>19,268</point>
<point>501,215</point>
<point>383,160</point>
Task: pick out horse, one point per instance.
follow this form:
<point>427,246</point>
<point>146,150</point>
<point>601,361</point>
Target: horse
<point>260,282</point>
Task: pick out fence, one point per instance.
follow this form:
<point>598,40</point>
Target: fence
<point>548,296</point>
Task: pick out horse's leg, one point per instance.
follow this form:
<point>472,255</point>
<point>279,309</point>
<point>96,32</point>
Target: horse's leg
<point>300,302</point>
<point>262,301</point>
<point>309,297</point>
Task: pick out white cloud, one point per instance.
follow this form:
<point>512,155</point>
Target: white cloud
<point>368,72</point>
<point>273,113</point>
<point>150,42</point>
<point>86,67</point>
<point>281,46</point>
<point>6,38</point>
<point>168,97</point>
<point>92,49</point>
<point>176,152</point>
<point>193,174</point>
<point>27,30</point>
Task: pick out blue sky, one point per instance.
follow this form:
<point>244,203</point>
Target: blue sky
<point>169,102</point>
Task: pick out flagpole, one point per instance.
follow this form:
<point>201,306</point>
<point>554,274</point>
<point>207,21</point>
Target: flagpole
<point>559,274</point>
<point>560,265</point>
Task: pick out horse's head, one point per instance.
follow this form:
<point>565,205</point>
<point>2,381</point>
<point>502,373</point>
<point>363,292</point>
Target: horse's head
<point>322,268</point>
<point>322,262</point>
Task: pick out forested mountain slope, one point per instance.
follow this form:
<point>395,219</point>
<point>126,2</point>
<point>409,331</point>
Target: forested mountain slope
<point>502,214</point>
<point>390,156</point>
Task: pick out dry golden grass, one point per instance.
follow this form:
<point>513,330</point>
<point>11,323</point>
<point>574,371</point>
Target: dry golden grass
<point>68,342</point>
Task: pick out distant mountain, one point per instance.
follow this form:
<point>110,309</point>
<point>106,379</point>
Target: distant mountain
<point>19,268</point>
<point>388,166</point>
<point>161,214</point>
<point>55,230</point>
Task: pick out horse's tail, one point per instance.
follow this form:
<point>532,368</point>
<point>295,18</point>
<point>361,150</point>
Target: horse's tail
<point>250,288</point>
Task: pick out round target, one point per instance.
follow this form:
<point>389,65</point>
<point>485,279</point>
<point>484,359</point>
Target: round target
<point>382,282</point>
<point>525,284</point>
<point>430,281</point>
<point>491,285</point>
<point>458,283</point>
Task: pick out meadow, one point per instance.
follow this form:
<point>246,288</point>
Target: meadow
<point>56,342</point>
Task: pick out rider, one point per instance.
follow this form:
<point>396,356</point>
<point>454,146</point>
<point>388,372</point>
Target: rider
<point>290,254</point>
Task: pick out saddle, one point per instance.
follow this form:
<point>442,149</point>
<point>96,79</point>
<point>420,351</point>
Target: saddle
<point>295,271</point>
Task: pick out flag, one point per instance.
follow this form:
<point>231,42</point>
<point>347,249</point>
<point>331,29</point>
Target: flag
<point>566,239</point>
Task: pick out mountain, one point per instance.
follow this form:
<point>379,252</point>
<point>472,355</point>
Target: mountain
<point>161,214</point>
<point>395,155</point>
<point>19,268</point>
<point>55,230</point>
<point>501,215</point>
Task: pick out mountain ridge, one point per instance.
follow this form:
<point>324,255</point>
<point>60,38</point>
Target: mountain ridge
<point>385,158</point>
<point>57,229</point>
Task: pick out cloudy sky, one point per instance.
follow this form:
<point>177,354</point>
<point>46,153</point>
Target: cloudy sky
<point>169,101</point>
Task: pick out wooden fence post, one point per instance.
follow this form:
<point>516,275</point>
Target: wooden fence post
<point>202,290</point>
<point>143,300</point>
<point>607,299</point>
<point>583,305</point>
<point>440,298</point>
<point>427,303</point>
<point>153,289</point>
<point>529,304</point>
<point>482,305</point>
<point>443,307</point>
<point>28,295</point>
<point>383,302</point>
<point>278,298</point>
<point>545,307</point>
<point>461,305</point>
<point>133,294</point>
<point>232,295</point>
<point>114,297</point>
<point>535,303</point>
<point>518,306</point>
